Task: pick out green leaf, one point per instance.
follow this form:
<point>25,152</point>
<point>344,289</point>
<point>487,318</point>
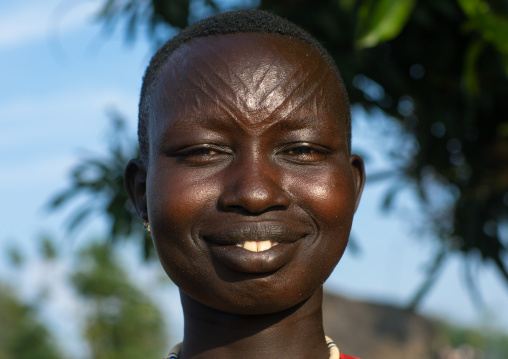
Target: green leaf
<point>381,20</point>
<point>347,5</point>
<point>470,66</point>
<point>493,27</point>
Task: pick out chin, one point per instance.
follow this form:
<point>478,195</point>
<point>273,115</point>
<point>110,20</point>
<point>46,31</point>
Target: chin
<point>262,298</point>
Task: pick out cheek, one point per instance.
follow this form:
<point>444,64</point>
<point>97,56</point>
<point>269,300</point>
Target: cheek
<point>175,206</point>
<point>330,197</point>
<point>174,200</point>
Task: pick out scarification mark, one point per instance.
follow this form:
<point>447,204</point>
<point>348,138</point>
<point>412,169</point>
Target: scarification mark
<point>205,89</point>
<point>301,99</point>
<point>261,80</point>
<point>279,84</point>
<point>206,74</point>
<point>218,56</point>
<point>209,79</point>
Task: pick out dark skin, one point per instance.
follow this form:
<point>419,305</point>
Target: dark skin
<point>250,192</point>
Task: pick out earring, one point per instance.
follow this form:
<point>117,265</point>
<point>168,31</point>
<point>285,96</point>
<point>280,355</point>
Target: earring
<point>147,227</point>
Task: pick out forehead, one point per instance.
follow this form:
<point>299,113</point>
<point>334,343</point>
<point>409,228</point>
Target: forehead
<point>261,76</point>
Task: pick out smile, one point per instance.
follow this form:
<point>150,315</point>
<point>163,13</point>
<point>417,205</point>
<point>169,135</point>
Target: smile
<point>257,246</point>
<point>255,236</point>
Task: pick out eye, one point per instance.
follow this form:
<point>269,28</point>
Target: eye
<point>305,154</point>
<point>203,151</point>
<point>200,155</point>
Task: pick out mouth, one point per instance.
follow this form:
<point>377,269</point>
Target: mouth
<point>259,247</point>
<point>255,237</point>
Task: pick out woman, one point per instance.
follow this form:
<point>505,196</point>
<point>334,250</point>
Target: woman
<point>246,183</point>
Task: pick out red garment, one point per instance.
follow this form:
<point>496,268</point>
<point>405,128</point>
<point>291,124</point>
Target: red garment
<point>344,356</point>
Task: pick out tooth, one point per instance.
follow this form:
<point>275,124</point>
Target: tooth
<point>264,245</point>
<point>250,246</point>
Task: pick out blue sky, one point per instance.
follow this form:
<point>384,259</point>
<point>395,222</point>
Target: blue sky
<point>58,78</point>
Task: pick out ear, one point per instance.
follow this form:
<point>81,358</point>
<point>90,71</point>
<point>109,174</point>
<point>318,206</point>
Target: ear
<point>359,176</point>
<point>135,184</point>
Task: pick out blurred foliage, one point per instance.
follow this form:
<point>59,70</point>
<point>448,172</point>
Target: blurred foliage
<point>22,336</point>
<point>123,322</point>
<point>48,249</point>
<point>15,257</point>
<point>119,320</point>
<point>100,181</point>
<point>438,67</point>
<point>486,343</point>
<point>381,20</point>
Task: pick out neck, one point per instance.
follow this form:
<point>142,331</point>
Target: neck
<point>296,332</point>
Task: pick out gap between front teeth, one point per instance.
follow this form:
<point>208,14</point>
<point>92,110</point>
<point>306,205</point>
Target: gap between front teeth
<point>257,246</point>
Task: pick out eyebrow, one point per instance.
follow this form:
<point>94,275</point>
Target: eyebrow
<point>225,122</point>
<point>295,123</point>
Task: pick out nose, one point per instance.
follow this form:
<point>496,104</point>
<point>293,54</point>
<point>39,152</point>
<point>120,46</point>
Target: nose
<point>253,187</point>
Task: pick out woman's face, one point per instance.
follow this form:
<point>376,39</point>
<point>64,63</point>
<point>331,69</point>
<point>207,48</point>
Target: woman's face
<point>250,189</point>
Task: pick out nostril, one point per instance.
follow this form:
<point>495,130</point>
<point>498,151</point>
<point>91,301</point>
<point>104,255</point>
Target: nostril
<point>254,195</point>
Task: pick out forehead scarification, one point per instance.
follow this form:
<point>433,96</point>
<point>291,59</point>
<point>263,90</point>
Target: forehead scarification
<point>299,96</point>
<point>235,22</point>
<point>204,87</point>
<point>212,54</point>
<point>267,73</point>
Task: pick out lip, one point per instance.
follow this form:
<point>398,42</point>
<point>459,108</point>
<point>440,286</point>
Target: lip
<point>241,232</point>
<point>223,244</point>
<point>245,261</point>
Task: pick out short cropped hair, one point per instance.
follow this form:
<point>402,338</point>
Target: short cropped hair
<point>234,22</point>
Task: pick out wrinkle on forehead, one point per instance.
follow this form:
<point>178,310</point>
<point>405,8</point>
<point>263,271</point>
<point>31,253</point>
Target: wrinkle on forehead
<point>258,80</point>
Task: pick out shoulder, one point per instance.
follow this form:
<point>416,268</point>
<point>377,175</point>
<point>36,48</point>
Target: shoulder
<point>344,356</point>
